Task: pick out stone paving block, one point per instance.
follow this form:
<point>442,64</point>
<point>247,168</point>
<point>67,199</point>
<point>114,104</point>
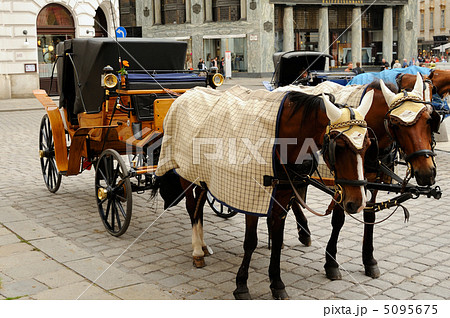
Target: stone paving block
<point>94,270</point>
<point>29,230</point>
<point>8,239</point>
<point>61,249</point>
<point>59,278</point>
<point>397,293</point>
<point>21,288</point>
<point>33,267</point>
<point>75,291</point>
<point>142,292</point>
<point>426,296</point>
<point>9,214</point>
<point>172,281</point>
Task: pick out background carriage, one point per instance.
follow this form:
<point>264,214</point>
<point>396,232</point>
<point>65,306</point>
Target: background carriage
<point>113,100</point>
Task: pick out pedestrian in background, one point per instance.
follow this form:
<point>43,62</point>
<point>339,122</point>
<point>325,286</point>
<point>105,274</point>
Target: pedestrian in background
<point>397,64</point>
<point>358,70</point>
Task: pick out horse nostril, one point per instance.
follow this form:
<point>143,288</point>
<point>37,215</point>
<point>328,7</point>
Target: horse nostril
<point>351,207</point>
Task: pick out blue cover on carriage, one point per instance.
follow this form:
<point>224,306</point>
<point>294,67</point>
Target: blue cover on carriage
<point>387,75</point>
<point>166,77</point>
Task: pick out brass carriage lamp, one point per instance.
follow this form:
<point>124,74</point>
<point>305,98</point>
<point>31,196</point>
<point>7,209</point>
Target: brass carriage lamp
<point>109,80</point>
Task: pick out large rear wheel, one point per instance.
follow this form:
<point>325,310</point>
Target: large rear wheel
<point>52,178</point>
<point>113,192</point>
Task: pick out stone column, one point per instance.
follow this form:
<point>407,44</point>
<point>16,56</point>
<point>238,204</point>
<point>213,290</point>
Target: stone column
<point>288,28</point>
<point>356,35</point>
<point>208,11</point>
<point>243,9</point>
<point>324,33</point>
<point>157,10</point>
<point>188,11</point>
<point>197,49</point>
<point>388,35</point>
<point>197,11</point>
<point>408,28</point>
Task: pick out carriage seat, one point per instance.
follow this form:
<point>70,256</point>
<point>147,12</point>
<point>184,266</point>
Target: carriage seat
<point>90,120</point>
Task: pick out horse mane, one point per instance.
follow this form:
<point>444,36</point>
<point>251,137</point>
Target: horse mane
<point>376,85</point>
<point>311,104</point>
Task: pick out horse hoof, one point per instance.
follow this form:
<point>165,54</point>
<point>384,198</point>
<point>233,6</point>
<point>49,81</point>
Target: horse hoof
<point>198,261</point>
<point>279,294</point>
<point>242,295</point>
<point>205,250</point>
<point>372,271</point>
<point>304,239</point>
<point>333,273</point>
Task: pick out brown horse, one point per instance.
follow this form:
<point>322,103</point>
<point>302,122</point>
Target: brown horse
<point>416,141</point>
<point>301,117</point>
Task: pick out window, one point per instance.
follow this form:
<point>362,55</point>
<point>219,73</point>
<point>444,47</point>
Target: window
<point>431,20</point>
<point>127,13</point>
<point>442,19</point>
<point>422,27</point>
<point>173,12</point>
<point>226,10</point>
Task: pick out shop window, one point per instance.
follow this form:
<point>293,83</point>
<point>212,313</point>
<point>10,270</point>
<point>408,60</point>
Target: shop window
<point>226,10</point>
<point>173,12</point>
<point>306,18</point>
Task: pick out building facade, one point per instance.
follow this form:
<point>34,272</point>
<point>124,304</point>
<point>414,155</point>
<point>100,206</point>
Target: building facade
<point>434,17</point>
<point>244,28</point>
<point>30,31</point>
<point>349,30</point>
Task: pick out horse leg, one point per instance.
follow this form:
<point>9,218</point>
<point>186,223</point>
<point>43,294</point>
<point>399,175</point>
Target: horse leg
<point>276,284</point>
<point>194,206</point>
<point>304,234</point>
<point>370,264</point>
<point>250,243</point>
<point>331,265</point>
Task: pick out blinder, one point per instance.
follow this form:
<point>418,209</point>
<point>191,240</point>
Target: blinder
<point>435,121</point>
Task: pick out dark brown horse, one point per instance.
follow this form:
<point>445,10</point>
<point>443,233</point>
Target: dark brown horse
<point>415,139</point>
<point>302,116</point>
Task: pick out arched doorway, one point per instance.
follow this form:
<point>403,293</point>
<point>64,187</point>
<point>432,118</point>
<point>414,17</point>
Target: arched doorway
<point>54,24</point>
<point>100,24</point>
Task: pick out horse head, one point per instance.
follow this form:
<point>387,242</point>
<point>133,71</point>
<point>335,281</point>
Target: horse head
<point>441,81</point>
<point>411,123</point>
<point>345,144</point>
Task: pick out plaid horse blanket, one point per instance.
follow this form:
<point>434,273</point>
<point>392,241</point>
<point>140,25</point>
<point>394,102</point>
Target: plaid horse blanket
<point>349,95</point>
<point>224,139</point>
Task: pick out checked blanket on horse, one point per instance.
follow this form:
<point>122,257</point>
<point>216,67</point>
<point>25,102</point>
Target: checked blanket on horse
<point>226,140</point>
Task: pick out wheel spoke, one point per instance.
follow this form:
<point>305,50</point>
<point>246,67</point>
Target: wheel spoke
<point>108,207</point>
<point>122,210</point>
<point>113,215</point>
<point>119,223</point>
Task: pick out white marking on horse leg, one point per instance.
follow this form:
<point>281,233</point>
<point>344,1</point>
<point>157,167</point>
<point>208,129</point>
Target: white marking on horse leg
<point>197,235</point>
<point>360,170</point>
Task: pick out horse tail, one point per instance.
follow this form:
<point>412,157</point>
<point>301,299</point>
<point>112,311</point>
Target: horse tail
<point>170,189</point>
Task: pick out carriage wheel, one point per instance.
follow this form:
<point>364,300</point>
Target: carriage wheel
<point>220,209</point>
<point>113,192</point>
<point>52,178</point>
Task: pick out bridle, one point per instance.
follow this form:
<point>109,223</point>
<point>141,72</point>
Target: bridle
<point>329,147</point>
<point>434,123</point>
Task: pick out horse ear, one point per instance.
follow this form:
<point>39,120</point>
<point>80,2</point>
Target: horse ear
<point>333,113</point>
<point>387,93</point>
<point>366,102</point>
<point>418,87</point>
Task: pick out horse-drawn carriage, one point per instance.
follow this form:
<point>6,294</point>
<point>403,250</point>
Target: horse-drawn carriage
<point>306,68</point>
<point>113,100</point>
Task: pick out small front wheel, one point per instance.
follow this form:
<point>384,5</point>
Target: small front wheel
<point>113,192</point>
<point>218,208</point>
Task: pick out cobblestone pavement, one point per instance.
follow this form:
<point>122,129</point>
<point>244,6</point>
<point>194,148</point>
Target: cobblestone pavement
<point>152,260</point>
